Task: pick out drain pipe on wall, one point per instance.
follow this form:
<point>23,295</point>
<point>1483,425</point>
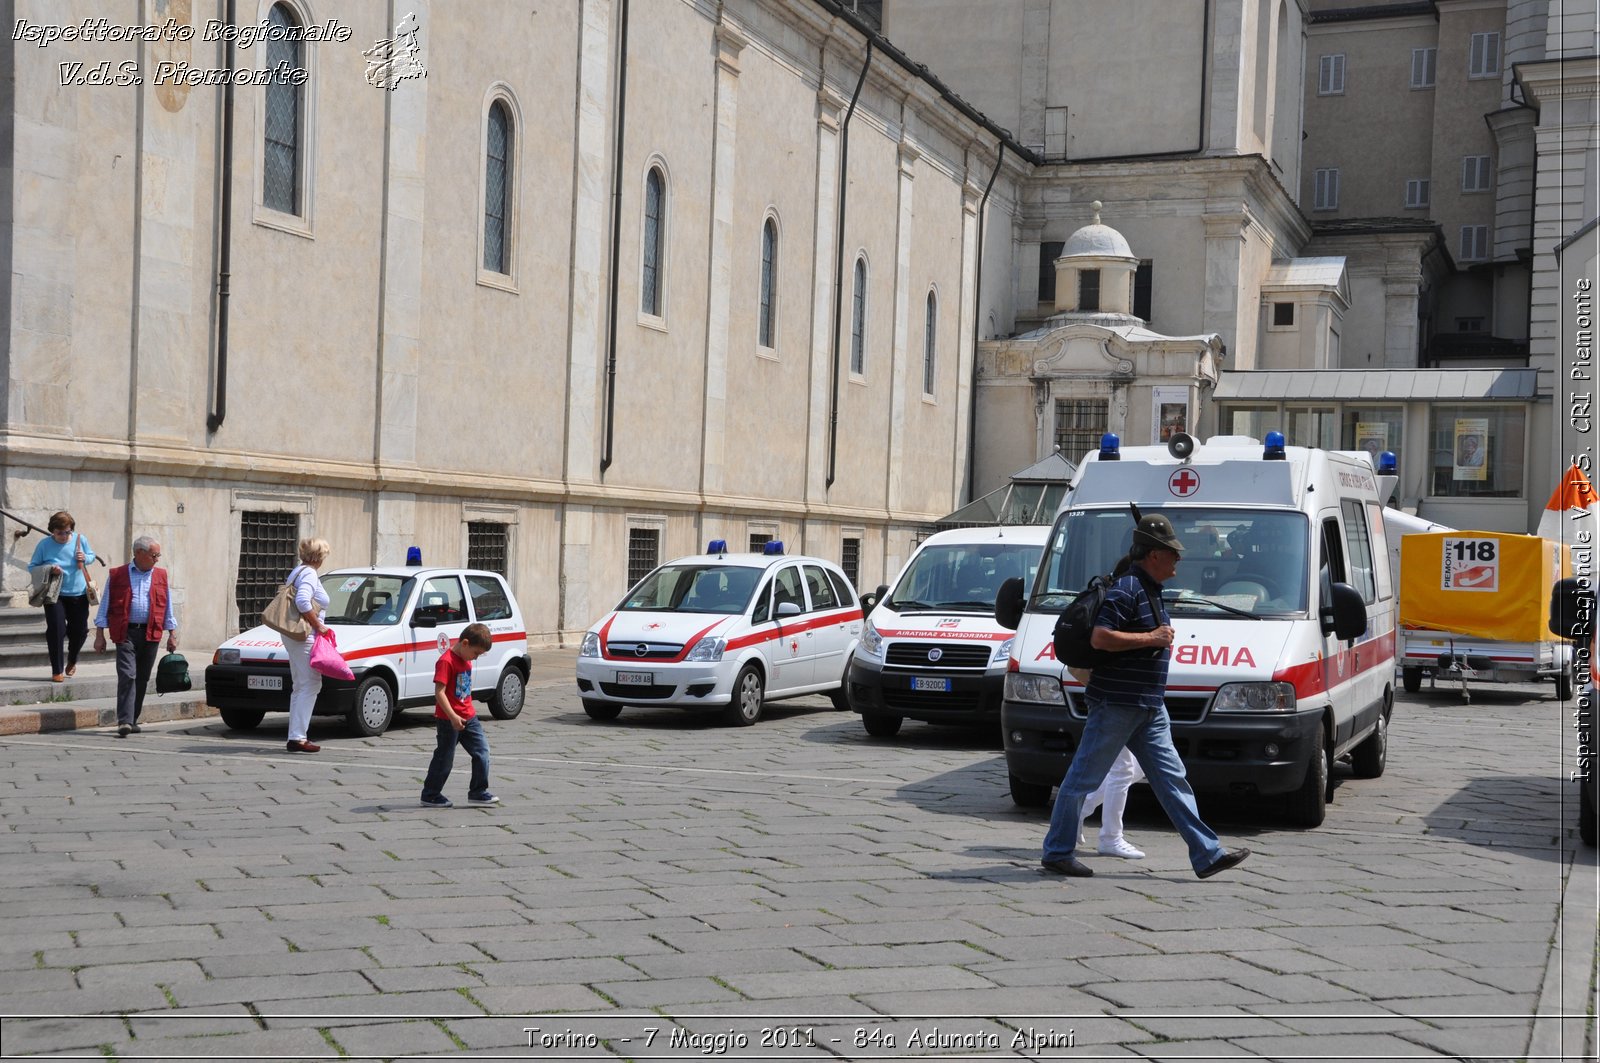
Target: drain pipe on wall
<point>977,325</point>
<point>225,253</point>
<point>616,237</point>
<point>838,266</point>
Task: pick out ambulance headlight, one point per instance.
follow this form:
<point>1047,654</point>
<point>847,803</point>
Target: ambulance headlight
<point>591,644</point>
<point>1002,652</point>
<point>1039,689</point>
<point>871,641</point>
<point>1254,697</point>
<point>707,650</point>
<point>225,656</point>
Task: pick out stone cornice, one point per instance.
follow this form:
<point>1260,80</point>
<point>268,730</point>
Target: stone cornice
<point>1558,79</point>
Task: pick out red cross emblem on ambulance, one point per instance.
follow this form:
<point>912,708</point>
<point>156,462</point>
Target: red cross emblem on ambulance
<point>1183,483</point>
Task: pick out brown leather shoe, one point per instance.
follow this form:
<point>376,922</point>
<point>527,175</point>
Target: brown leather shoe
<point>304,747</point>
<point>58,679</point>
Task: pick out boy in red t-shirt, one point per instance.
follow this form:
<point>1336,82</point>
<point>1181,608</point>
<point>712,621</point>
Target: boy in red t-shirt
<point>456,721</point>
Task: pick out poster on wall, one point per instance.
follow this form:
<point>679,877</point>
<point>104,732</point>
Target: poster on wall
<point>1471,449</point>
<point>1372,437</point>
<point>1169,412</point>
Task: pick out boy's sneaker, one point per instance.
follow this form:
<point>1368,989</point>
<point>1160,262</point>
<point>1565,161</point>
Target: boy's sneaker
<point>437,802</point>
<point>485,798</point>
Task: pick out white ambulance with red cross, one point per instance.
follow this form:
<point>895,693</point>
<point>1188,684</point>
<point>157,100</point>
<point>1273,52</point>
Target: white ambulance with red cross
<point>725,631</point>
<point>1284,608</point>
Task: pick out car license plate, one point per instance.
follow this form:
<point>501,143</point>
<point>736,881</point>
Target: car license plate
<point>263,682</point>
<point>919,683</point>
<point>636,679</point>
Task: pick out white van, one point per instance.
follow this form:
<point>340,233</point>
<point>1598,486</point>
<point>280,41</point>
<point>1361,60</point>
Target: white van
<point>931,649</point>
<point>1284,609</point>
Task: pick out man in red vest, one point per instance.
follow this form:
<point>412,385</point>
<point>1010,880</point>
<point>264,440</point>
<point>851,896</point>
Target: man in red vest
<point>137,609</point>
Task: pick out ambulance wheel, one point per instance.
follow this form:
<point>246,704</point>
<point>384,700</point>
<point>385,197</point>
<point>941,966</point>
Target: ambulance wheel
<point>601,710</point>
<point>1564,685</point>
<point>748,691</point>
<point>1370,756</point>
<point>509,695</point>
<point>1029,794</point>
<point>1412,679</point>
<point>881,724</point>
<point>371,709</point>
<point>243,719</point>
<point>1308,806</point>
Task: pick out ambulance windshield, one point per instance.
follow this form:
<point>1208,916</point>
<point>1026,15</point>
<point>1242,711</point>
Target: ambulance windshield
<point>1235,561</point>
<point>724,589</point>
<point>962,577</point>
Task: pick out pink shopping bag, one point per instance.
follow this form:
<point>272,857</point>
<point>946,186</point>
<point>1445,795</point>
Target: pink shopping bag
<point>325,658</point>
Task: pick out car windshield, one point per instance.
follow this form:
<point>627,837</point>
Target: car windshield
<point>366,598</point>
<point>1237,563</point>
<point>962,577</point>
<point>724,589</point>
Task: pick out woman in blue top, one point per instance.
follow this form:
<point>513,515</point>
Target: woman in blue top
<point>66,621</point>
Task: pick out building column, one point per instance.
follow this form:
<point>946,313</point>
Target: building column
<point>1224,263</point>
<point>730,42</point>
<point>966,338</point>
<point>898,368</point>
<point>824,258</point>
<point>1035,70</point>
<point>1400,305</point>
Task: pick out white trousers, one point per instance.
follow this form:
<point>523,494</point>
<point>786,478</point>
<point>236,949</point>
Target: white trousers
<point>1113,794</point>
<point>307,685</point>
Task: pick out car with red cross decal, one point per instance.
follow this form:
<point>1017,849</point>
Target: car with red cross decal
<point>723,631</point>
<point>390,625</point>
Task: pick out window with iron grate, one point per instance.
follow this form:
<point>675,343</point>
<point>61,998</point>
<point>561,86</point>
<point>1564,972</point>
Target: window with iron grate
<point>268,549</point>
<point>486,546</point>
<point>758,540</point>
<point>850,561</point>
<point>1079,425</point>
<point>644,552</point>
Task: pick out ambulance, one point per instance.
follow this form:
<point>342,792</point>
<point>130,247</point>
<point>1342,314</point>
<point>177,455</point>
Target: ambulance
<point>724,631</point>
<point>931,649</point>
<point>1284,608</point>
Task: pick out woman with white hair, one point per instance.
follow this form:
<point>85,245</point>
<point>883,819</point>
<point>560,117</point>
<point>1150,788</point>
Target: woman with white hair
<point>311,602</point>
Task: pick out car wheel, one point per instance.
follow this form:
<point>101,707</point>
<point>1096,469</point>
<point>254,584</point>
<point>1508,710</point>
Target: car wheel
<point>243,719</point>
<point>1564,684</point>
<point>601,710</point>
<point>1586,812</point>
<point>1412,679</point>
<point>508,695</point>
<point>373,709</point>
<point>1029,794</point>
<point>881,724</point>
<point>1308,806</point>
<point>1370,756</point>
<point>748,691</point>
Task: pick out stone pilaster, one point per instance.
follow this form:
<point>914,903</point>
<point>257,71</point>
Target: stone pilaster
<point>730,42</point>
<point>825,254</point>
<point>899,370</point>
<point>1225,230</point>
<point>966,334</point>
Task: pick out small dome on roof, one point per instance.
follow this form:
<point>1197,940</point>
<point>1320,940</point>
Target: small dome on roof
<point>1096,240</point>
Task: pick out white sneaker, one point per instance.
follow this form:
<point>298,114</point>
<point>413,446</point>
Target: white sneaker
<point>1121,848</point>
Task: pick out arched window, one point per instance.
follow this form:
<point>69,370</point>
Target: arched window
<point>930,342</point>
<point>655,210</point>
<point>858,320</point>
<point>497,190</point>
<point>285,118</point>
<point>769,286</point>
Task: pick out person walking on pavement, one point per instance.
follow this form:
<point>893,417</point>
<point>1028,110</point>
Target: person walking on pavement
<point>66,620</point>
<point>311,602</point>
<point>137,608</point>
<point>1127,707</point>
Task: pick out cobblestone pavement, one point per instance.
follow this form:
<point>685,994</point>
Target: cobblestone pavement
<point>790,890</point>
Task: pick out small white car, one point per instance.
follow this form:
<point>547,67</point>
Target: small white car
<point>728,630</point>
<point>391,624</point>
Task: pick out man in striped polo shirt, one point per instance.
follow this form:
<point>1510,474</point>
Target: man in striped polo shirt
<point>1127,707</point>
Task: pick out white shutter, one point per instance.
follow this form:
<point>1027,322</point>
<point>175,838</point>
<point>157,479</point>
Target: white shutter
<point>1417,192</point>
<point>1423,65</point>
<point>1330,75</point>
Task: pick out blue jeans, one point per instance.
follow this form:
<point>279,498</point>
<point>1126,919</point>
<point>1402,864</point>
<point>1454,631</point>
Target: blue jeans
<point>477,746</point>
<point>1148,735</point>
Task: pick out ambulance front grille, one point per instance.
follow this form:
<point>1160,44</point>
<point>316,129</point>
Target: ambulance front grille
<point>1181,708</point>
<point>950,655</point>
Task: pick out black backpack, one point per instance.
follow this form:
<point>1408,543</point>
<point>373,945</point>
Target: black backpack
<point>172,674</point>
<point>1075,625</point>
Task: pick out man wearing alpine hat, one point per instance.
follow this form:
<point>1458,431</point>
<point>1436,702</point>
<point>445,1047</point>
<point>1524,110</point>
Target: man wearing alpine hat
<point>1127,707</point>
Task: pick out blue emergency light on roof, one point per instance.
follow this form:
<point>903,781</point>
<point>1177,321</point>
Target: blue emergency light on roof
<point>772,547</point>
<point>1387,464</point>
<point>1110,447</point>
<point>717,546</point>
<point>1274,451</point>
<point>414,556</point>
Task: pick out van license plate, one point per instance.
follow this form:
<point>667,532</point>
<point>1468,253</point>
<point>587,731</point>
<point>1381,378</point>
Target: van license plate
<point>919,683</point>
<point>637,679</point>
<point>263,682</point>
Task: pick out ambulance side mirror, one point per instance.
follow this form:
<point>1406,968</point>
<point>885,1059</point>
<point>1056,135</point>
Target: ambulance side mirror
<point>1345,616</point>
<point>1008,604</point>
<point>869,602</point>
<point>1571,610</point>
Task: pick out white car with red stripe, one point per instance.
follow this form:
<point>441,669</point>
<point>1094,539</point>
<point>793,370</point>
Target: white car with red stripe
<point>719,630</point>
<point>390,625</point>
<point>1284,607</point>
<point>931,650</point>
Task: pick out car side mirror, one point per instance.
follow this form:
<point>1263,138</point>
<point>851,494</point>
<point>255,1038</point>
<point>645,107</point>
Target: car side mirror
<point>1008,604</point>
<point>1345,615</point>
<point>1572,608</point>
<point>786,609</point>
<point>424,621</point>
